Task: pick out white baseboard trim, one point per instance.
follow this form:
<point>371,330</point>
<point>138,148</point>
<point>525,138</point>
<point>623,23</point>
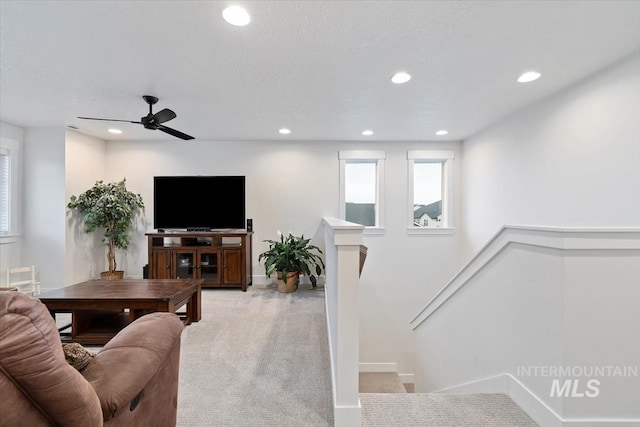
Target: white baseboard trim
<point>264,285</point>
<point>261,281</point>
<point>538,410</point>
<point>378,367</point>
<point>347,416</point>
<point>496,384</point>
<point>387,367</point>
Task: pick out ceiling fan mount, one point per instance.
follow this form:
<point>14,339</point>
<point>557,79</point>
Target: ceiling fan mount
<point>153,121</point>
<point>151,100</point>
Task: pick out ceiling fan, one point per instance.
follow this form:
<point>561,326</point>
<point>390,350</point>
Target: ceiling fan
<point>153,121</point>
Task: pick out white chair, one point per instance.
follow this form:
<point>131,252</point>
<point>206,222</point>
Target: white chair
<point>23,279</point>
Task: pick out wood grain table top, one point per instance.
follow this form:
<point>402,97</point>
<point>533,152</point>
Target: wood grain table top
<point>130,289</point>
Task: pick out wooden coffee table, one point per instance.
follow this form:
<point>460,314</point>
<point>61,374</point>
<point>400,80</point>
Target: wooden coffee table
<point>100,308</point>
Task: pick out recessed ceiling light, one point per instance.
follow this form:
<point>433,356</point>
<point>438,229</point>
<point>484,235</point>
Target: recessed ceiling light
<point>367,132</point>
<point>236,15</point>
<point>401,77</point>
<point>529,76</point>
<point>116,131</point>
<point>442,132</point>
<point>284,131</point>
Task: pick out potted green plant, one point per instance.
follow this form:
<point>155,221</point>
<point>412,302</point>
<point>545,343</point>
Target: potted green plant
<point>113,209</point>
<point>289,257</point>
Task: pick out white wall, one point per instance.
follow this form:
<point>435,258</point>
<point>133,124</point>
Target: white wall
<point>475,336</point>
<point>85,164</point>
<point>291,186</point>
<point>10,252</point>
<point>571,160</point>
<point>601,314</point>
<point>44,212</point>
<point>10,131</point>
<point>56,164</point>
<point>547,297</point>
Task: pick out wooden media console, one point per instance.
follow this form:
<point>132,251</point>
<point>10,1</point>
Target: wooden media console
<point>219,258</point>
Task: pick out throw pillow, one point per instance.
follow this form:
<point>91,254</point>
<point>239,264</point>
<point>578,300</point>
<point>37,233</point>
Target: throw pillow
<point>76,355</point>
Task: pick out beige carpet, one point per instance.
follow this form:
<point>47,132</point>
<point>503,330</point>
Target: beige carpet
<point>257,358</point>
<point>441,410</point>
<point>380,382</point>
<point>260,358</point>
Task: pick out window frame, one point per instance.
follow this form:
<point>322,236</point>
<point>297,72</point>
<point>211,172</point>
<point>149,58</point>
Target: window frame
<point>11,147</point>
<point>366,156</point>
<point>446,158</point>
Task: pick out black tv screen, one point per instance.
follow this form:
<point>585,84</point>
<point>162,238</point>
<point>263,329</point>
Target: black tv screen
<point>198,202</point>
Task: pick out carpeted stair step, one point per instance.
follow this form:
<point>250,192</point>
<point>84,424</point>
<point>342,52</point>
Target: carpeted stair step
<point>441,410</point>
<point>380,382</point>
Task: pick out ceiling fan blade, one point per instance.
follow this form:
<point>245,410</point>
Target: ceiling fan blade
<point>174,132</point>
<point>164,116</point>
<point>109,120</point>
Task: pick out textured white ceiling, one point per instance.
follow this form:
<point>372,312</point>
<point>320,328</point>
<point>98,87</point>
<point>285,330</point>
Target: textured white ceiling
<point>320,68</point>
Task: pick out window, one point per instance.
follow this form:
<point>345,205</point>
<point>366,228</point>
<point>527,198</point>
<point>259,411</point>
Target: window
<point>362,188</point>
<point>8,189</point>
<point>430,192</point>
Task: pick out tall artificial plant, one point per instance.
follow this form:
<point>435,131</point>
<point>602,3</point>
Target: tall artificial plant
<point>110,208</point>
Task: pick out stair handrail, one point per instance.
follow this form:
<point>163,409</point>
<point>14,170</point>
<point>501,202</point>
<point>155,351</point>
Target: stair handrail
<point>545,236</point>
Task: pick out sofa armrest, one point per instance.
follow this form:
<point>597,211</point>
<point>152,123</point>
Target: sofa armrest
<point>37,385</point>
<point>123,367</point>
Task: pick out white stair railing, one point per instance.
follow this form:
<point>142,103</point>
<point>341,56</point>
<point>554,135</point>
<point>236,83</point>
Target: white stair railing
<point>342,252</point>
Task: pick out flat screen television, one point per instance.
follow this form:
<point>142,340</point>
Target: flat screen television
<point>198,203</point>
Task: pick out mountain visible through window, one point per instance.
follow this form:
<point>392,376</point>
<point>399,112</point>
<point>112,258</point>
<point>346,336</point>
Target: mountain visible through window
<point>427,194</point>
<point>360,193</point>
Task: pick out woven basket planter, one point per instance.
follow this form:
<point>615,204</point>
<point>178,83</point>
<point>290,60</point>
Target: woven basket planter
<point>290,285</point>
<point>112,275</point>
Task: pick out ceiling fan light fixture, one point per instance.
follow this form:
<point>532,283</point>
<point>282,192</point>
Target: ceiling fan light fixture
<point>236,15</point>
<point>529,76</point>
<point>151,121</point>
<point>401,77</point>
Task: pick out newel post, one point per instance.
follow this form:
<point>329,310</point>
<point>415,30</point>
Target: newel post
<point>342,250</point>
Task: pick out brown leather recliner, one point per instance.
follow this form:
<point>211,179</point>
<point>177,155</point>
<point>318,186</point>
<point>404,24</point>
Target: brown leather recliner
<point>132,380</point>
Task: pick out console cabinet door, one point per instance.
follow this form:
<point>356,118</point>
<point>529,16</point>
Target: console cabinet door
<point>232,266</point>
<point>161,265</point>
<point>185,264</point>
<point>209,266</point>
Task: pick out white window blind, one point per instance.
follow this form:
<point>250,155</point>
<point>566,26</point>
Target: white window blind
<point>5,174</point>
